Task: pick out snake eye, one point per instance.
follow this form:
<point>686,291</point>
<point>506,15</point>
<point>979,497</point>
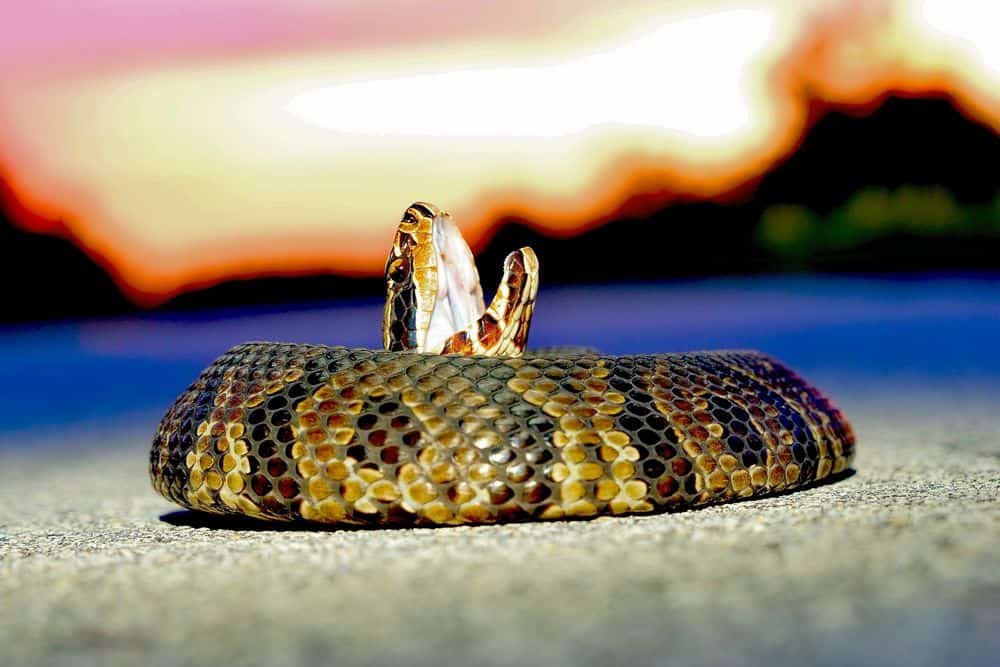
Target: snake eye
<point>399,269</point>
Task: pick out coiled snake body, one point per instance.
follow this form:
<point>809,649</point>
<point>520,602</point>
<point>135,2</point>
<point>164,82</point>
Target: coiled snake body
<point>402,437</point>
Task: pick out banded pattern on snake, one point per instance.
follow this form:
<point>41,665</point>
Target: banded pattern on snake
<point>404,437</point>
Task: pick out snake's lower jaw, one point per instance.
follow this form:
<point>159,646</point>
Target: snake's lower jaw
<point>518,288</point>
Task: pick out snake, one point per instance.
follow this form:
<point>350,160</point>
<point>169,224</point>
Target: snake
<point>454,421</point>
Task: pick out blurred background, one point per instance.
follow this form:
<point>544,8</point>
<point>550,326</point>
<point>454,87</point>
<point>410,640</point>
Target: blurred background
<point>819,179</point>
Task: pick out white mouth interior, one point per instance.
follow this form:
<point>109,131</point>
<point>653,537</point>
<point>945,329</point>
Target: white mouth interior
<point>459,300</point>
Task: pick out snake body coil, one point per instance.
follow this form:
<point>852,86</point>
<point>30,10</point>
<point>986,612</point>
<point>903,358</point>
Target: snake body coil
<point>354,436</point>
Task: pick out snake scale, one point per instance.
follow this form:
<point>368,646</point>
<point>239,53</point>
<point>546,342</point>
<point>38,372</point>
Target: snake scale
<point>484,433</point>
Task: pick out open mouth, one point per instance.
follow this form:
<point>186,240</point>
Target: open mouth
<point>458,302</point>
<point>434,300</point>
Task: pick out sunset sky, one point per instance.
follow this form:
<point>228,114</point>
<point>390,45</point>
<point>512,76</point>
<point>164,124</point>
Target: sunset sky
<point>183,143</point>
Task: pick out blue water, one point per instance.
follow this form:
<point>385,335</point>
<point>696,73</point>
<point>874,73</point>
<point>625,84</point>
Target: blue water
<point>941,330</point>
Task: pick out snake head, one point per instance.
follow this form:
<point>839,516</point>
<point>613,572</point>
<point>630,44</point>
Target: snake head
<point>434,301</point>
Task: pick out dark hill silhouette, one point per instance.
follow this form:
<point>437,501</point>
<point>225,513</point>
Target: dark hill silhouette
<point>46,277</point>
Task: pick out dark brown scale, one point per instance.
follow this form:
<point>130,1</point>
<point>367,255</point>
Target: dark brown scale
<point>260,485</point>
<point>535,492</point>
<point>288,487</point>
<point>682,430</point>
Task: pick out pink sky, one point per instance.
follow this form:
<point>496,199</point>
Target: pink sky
<point>62,36</point>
